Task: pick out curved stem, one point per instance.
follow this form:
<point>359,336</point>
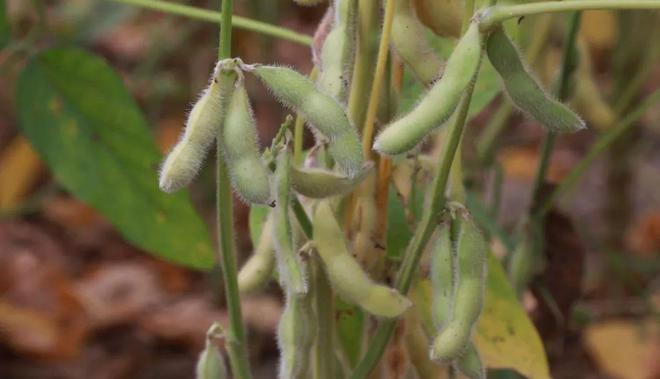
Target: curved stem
<point>215,17</point>
<point>495,15</point>
<point>374,97</point>
<point>235,339</point>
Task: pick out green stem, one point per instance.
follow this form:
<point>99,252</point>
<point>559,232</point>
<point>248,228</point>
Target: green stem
<point>602,144</point>
<point>215,17</point>
<point>421,237</point>
<point>569,60</point>
<point>235,339</point>
<point>492,16</point>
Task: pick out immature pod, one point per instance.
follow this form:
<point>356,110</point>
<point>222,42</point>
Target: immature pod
<point>439,102</point>
<point>525,92</point>
<point>318,183</point>
<point>469,363</point>
<point>345,274</point>
<point>409,40</point>
<point>338,50</point>
<point>292,275</point>
<point>320,110</point>
<point>471,250</point>
<point>443,277</point>
<point>295,336</point>
<point>444,17</point>
<point>211,364</point>
<point>204,121</point>
<point>238,141</point>
<point>256,272</point>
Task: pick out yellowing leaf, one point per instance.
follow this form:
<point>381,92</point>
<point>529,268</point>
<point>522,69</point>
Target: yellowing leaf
<point>20,167</point>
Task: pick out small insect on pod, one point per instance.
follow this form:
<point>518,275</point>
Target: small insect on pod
<point>320,110</point>
<point>455,335</point>
<point>345,274</point>
<point>204,122</point>
<point>524,91</point>
<point>439,103</point>
<point>240,149</point>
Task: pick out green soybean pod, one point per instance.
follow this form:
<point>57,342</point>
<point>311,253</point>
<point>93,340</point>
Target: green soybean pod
<point>256,272</point>
<point>345,274</point>
<point>469,363</point>
<point>468,300</point>
<point>443,275</point>
<point>319,109</point>
<point>240,149</point>
<point>524,91</point>
<point>202,125</point>
<point>410,42</point>
<point>337,53</point>
<point>292,276</point>
<point>211,364</point>
<point>296,331</point>
<point>318,183</point>
<point>439,102</point>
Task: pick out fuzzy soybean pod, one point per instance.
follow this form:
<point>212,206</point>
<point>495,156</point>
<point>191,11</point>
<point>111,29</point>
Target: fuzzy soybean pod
<point>292,275</point>
<point>238,140</point>
<point>443,276</point>
<point>469,363</point>
<point>345,274</point>
<point>202,125</point>
<point>468,301</point>
<point>338,50</point>
<point>525,92</point>
<point>318,183</point>
<point>211,364</point>
<point>439,102</point>
<point>410,42</point>
<point>319,109</point>
<point>256,272</point>
<point>295,336</point>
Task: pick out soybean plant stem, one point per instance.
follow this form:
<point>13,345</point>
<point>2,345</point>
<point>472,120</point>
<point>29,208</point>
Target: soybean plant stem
<point>422,234</point>
<point>215,17</point>
<point>602,143</point>
<point>492,16</point>
<point>381,63</point>
<point>569,60</point>
<point>235,339</point>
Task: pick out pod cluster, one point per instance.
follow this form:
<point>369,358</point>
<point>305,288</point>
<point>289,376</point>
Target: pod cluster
<point>458,270</point>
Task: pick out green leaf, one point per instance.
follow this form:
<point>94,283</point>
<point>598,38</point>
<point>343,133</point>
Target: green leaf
<point>5,29</point>
<point>487,87</point>
<point>85,125</point>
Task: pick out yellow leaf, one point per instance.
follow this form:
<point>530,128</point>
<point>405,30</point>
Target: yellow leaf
<point>20,168</point>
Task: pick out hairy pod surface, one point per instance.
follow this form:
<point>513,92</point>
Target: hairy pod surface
<point>203,123</point>
<point>470,365</point>
<point>345,274</point>
<point>410,42</point>
<point>439,103</point>
<point>337,53</point>
<point>292,275</point>
<point>525,92</point>
<point>320,110</point>
<point>444,17</point>
<point>443,277</point>
<point>295,336</point>
<point>256,272</point>
<point>210,363</point>
<point>240,148</point>
<point>319,183</point>
<point>468,301</point>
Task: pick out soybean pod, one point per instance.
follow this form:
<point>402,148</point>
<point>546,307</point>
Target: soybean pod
<point>256,272</point>
<point>525,92</point>
<point>292,275</point>
<point>240,149</point>
<point>211,364</point>
<point>319,183</point>
<point>345,274</point>
<point>443,276</point>
<point>203,123</point>
<point>295,336</point>
<point>320,110</point>
<point>469,363</point>
<point>410,42</point>
<point>439,103</point>
<point>468,300</point>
